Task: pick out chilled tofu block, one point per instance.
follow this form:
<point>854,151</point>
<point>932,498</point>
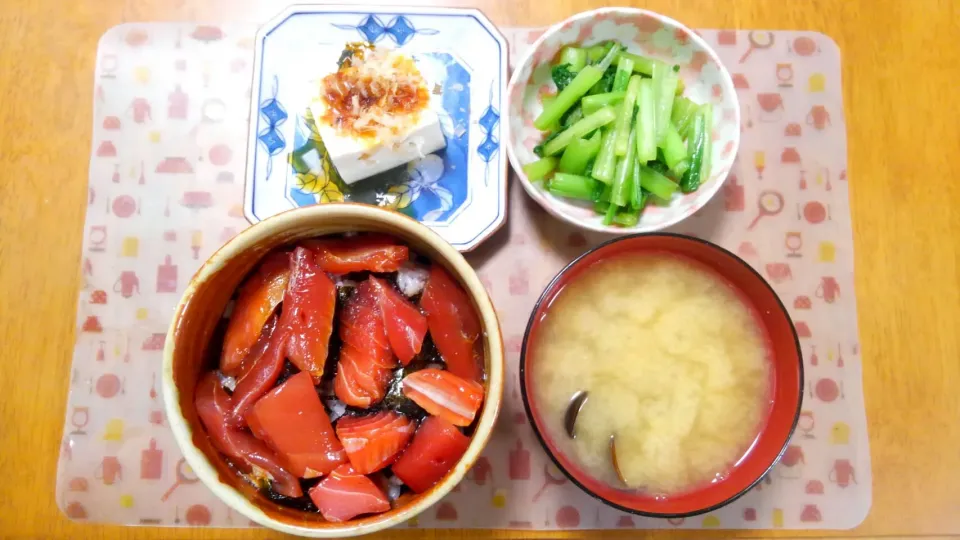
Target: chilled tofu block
<point>357,158</point>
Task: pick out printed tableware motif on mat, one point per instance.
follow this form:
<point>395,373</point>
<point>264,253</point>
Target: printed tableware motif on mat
<point>459,191</point>
<point>170,119</point>
<point>642,33</point>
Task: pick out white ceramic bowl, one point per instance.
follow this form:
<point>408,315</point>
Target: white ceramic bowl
<point>185,357</point>
<point>642,32</point>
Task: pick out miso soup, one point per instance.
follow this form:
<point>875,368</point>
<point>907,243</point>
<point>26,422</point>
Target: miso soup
<point>675,366</point>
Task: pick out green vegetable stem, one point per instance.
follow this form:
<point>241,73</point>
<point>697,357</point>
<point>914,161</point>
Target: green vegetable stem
<point>624,120</point>
<point>623,73</point>
<point>641,64</point>
<point>574,57</point>
<point>596,120</point>
<point>623,178</point>
<point>665,83</point>
<point>657,184</point>
<point>578,87</point>
<point>538,170</point>
<point>575,186</point>
<point>593,103</point>
<point>603,167</point>
<point>674,151</point>
<point>697,146</point>
<point>646,122</point>
<point>579,153</point>
<point>682,114</point>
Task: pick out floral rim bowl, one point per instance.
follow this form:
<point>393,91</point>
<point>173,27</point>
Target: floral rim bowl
<point>642,32</point>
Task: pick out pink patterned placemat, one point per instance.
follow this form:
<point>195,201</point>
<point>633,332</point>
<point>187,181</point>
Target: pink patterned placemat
<point>170,123</point>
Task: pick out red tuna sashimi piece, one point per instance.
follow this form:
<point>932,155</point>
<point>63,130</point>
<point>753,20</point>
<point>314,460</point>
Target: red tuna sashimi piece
<point>262,374</point>
<point>372,442</point>
<point>256,301</point>
<point>436,447</point>
<point>248,453</point>
<point>366,361</point>
<point>303,333</point>
<point>454,325</point>
<point>308,309</point>
<point>292,421</point>
<point>444,394</point>
<point>405,325</point>
<point>370,253</point>
<point>346,494</point>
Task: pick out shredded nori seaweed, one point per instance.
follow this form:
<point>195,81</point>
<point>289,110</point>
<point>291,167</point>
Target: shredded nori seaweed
<point>304,503</point>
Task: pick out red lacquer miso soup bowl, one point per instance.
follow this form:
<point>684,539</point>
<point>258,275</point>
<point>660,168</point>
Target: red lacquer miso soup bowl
<point>781,403</point>
<point>191,351</point>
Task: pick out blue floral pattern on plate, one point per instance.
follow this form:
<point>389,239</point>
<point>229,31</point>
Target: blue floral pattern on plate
<point>490,146</point>
<point>274,115</point>
<point>400,29</point>
<point>459,191</point>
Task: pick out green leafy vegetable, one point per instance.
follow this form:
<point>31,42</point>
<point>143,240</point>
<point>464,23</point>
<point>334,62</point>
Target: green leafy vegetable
<point>627,217</point>
<point>577,88</point>
<point>586,125</point>
<point>562,76</point>
<point>660,167</point>
<point>624,121</point>
<point>538,170</point>
<point>682,114</point>
<point>656,183</point>
<point>620,132</point>
<point>674,151</point>
<point>575,186</point>
<point>622,75</point>
<point>571,117</point>
<point>588,170</point>
<point>597,101</point>
<point>596,53</point>
<point>646,121</point>
<point>623,175</point>
<point>606,82</point>
<point>579,153</point>
<point>538,149</point>
<point>574,57</point>
<point>698,145</point>
<point>641,64</point>
<point>606,162</point>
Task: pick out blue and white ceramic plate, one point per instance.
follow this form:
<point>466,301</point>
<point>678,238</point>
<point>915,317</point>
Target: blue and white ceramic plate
<point>460,191</point>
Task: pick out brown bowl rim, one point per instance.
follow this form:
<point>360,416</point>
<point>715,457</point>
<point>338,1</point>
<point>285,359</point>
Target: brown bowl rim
<point>453,261</point>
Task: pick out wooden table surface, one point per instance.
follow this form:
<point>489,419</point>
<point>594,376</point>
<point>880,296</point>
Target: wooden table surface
<point>900,61</point>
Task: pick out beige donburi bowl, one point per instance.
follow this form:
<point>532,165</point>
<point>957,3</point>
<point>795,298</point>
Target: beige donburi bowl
<point>188,353</point>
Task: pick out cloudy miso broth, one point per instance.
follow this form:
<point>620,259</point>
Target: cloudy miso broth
<point>675,366</point>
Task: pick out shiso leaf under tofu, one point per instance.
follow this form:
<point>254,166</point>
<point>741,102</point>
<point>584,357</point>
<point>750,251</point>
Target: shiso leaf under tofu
<point>316,176</point>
